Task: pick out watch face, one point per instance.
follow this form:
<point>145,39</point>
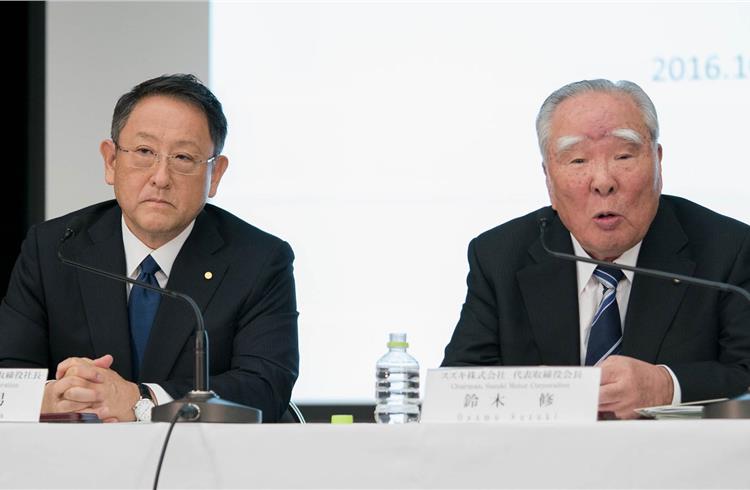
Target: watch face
<point>142,410</point>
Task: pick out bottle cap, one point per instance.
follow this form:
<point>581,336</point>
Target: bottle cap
<point>342,419</point>
<point>398,340</point>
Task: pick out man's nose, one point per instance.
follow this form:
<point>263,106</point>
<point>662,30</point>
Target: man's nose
<point>603,181</point>
<point>160,175</point>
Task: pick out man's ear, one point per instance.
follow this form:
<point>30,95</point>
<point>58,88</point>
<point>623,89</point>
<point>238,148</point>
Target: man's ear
<point>219,167</point>
<point>550,187</point>
<point>658,178</point>
<point>108,149</point>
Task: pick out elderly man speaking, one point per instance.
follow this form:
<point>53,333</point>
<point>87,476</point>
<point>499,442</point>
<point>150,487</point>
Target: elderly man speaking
<point>656,342</point>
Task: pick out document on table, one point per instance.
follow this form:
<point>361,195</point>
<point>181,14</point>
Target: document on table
<point>690,410</point>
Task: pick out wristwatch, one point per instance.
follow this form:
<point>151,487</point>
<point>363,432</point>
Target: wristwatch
<point>143,406</point>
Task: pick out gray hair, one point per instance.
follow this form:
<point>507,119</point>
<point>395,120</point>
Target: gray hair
<point>543,119</point>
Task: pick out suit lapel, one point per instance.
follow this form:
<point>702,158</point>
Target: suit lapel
<point>175,321</point>
<point>549,291</point>
<point>654,302</point>
<point>104,299</point>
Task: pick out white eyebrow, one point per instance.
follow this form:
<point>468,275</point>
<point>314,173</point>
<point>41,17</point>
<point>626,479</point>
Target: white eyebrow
<point>565,142</point>
<point>628,135</point>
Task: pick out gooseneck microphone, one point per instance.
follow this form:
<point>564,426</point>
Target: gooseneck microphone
<point>675,278</point>
<point>201,339</point>
<point>738,407</point>
<point>201,404</point>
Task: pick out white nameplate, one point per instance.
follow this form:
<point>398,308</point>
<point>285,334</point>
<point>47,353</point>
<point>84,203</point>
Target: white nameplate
<point>511,394</point>
<point>21,392</point>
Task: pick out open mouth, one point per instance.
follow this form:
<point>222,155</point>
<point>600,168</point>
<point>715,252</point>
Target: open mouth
<point>607,220</point>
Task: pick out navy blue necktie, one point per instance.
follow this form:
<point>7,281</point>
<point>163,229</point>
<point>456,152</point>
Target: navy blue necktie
<point>605,336</point>
<point>142,308</point>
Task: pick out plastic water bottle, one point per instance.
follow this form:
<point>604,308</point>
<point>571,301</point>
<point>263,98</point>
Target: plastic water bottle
<point>397,384</point>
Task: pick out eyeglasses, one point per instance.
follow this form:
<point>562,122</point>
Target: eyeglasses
<point>182,163</point>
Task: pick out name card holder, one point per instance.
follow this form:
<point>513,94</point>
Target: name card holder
<point>511,394</point>
<point>21,393</point>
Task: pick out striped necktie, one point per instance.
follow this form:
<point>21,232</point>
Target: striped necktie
<point>605,336</point>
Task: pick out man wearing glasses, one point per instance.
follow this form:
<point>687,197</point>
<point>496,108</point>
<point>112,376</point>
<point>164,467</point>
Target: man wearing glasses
<point>115,350</point>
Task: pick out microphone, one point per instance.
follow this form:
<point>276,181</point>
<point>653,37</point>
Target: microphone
<point>201,404</point>
<point>675,278</point>
<point>738,407</point>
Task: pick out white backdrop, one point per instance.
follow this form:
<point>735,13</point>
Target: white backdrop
<point>379,138</point>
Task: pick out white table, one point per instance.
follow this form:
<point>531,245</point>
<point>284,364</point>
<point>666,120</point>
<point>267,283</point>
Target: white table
<point>635,454</point>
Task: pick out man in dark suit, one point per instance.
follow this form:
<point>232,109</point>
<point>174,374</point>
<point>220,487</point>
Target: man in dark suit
<point>602,162</point>
<point>116,351</point>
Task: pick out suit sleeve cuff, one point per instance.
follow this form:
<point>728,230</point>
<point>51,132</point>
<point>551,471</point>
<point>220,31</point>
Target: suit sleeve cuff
<point>161,396</point>
<point>677,393</point>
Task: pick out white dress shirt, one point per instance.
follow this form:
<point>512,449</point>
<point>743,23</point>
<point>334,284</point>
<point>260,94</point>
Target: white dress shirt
<point>135,252</point>
<point>590,293</point>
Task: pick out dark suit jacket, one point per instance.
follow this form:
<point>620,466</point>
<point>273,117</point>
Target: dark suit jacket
<point>53,311</point>
<point>522,304</point>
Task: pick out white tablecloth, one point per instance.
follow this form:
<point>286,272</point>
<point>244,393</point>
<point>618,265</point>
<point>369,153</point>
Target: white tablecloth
<point>635,454</point>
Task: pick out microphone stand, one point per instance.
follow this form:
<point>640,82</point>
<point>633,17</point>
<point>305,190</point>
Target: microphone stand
<point>200,404</point>
<point>738,407</point>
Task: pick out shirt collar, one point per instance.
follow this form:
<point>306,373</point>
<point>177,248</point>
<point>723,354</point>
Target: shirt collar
<point>586,270</point>
<point>136,250</point>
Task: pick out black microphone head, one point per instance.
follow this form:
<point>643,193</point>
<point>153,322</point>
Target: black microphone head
<point>72,229</point>
<point>544,224</point>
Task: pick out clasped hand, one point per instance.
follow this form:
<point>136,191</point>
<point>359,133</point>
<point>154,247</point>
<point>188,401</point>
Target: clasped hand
<point>89,385</point>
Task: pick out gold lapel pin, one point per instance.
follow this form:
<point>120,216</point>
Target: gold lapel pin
<point>208,275</point>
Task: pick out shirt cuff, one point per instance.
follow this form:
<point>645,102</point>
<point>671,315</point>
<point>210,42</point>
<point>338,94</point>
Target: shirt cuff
<point>677,392</point>
<point>161,396</point>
